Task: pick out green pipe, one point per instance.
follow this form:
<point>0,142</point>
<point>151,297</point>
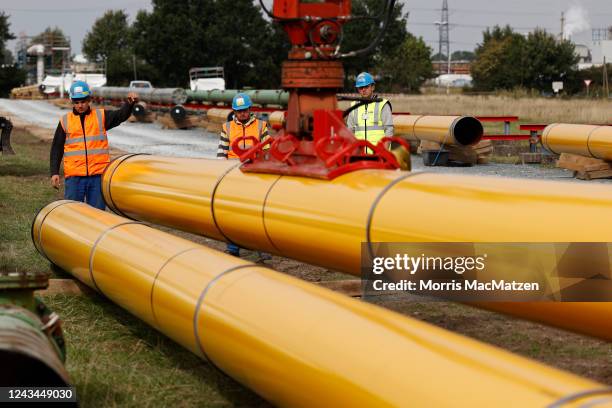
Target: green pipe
<point>258,96</point>
<point>32,348</point>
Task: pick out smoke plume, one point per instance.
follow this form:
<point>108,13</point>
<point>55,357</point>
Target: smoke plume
<point>576,21</point>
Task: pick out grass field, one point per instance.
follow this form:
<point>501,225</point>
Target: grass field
<point>528,109</point>
<point>24,189</point>
<point>534,110</point>
<point>114,359</point>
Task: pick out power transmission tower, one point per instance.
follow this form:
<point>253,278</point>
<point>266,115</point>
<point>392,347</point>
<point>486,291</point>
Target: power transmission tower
<point>443,25</point>
<point>606,88</point>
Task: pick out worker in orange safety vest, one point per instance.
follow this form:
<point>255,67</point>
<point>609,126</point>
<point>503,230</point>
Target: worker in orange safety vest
<point>81,139</point>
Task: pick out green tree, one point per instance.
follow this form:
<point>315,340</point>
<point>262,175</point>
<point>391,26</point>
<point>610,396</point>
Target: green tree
<point>360,33</point>
<point>10,76</point>
<point>5,35</point>
<point>507,60</point>
<point>407,68</point>
<point>109,42</point>
<point>439,57</point>
<point>546,60</point>
<point>499,60</point>
<point>574,84</point>
<point>176,36</point>
<point>463,56</point>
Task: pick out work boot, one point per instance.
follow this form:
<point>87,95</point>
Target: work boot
<point>233,249</point>
<point>262,257</point>
<point>233,253</point>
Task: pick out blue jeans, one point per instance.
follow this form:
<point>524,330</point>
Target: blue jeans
<point>87,189</point>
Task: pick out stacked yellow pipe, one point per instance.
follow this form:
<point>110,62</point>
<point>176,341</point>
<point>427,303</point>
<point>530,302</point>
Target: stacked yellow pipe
<point>217,115</point>
<point>448,130</point>
<point>324,222</point>
<point>290,341</point>
<point>584,140</point>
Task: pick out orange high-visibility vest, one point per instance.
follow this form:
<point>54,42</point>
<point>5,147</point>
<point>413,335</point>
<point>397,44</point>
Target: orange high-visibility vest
<point>234,130</point>
<point>85,154</point>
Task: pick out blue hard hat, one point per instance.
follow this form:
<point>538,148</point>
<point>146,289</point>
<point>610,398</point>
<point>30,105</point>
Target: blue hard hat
<point>79,90</point>
<point>364,79</point>
<point>241,101</point>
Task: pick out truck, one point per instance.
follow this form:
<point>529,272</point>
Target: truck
<point>206,79</point>
<point>140,84</point>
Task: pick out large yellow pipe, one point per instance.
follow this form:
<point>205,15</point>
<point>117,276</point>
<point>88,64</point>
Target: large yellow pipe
<point>585,140</point>
<point>325,222</point>
<point>290,341</point>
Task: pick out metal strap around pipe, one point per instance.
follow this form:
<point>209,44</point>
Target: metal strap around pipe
<point>95,245</point>
<point>38,242</point>
<point>451,131</point>
<point>200,301</point>
<point>157,276</point>
<point>582,394</point>
<point>589,138</point>
<point>375,204</point>
<point>544,140</point>
<point>212,201</point>
<point>112,205</point>
<point>263,214</point>
<point>414,125</point>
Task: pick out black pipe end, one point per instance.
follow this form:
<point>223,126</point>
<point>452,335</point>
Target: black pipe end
<point>468,130</point>
<point>24,370</point>
<point>139,110</point>
<point>178,112</point>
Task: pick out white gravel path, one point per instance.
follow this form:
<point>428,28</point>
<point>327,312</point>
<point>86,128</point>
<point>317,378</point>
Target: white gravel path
<point>129,137</point>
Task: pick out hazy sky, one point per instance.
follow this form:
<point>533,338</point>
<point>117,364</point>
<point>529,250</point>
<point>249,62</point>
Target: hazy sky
<point>468,18</point>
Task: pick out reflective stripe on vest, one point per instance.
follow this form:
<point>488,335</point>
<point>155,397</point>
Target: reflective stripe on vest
<point>85,154</point>
<point>369,127</point>
<point>234,130</point>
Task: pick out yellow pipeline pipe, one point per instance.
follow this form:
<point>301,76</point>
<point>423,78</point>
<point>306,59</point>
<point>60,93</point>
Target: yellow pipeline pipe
<point>448,130</point>
<point>324,222</point>
<point>290,341</point>
<point>277,119</point>
<point>585,140</point>
<point>217,115</point>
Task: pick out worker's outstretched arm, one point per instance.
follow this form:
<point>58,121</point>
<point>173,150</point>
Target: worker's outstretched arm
<point>113,118</point>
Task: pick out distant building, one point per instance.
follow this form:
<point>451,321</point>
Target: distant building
<point>584,53</point>
<point>601,46</point>
<point>453,80</point>
<point>459,67</point>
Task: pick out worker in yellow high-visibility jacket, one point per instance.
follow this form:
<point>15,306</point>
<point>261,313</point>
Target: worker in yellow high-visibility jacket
<point>370,121</point>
